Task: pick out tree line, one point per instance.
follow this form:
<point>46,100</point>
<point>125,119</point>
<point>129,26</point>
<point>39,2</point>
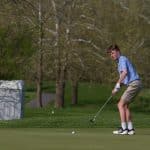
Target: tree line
<point>65,40</point>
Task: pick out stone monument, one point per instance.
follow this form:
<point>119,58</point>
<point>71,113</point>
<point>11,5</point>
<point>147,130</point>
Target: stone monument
<point>11,99</point>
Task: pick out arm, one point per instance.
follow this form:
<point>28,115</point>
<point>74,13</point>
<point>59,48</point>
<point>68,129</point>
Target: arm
<point>117,86</point>
<point>122,76</point>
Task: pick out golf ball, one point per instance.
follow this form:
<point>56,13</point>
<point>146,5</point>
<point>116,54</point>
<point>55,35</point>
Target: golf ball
<point>73,132</point>
<point>52,112</point>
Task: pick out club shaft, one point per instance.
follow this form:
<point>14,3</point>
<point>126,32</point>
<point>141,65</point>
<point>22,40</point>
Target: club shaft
<point>102,107</point>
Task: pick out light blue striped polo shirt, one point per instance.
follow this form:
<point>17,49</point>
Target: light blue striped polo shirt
<point>125,64</point>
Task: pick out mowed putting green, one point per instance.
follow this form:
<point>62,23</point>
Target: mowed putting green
<point>63,139</point>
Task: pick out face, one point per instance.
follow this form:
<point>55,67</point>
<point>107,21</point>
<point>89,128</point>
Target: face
<point>114,54</point>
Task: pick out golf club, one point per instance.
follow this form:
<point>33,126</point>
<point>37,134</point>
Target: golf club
<point>94,118</point>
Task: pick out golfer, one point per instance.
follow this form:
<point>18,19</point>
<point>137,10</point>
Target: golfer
<point>129,77</point>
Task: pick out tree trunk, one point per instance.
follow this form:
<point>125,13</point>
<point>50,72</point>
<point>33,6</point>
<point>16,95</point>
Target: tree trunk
<point>74,93</point>
<point>60,87</point>
<point>39,94</point>
<point>39,80</point>
<point>40,59</point>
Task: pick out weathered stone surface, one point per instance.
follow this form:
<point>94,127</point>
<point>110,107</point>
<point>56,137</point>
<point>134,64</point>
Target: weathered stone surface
<point>11,99</point>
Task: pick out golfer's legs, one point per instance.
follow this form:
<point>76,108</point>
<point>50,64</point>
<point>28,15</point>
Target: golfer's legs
<point>126,98</point>
<point>128,113</point>
<point>122,110</point>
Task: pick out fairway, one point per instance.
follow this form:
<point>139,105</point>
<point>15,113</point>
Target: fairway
<point>63,139</point>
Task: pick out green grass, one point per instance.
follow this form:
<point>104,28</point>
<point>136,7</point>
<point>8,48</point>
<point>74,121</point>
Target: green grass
<point>62,139</point>
<point>73,118</point>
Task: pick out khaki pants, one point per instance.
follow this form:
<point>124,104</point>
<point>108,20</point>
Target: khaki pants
<point>132,90</point>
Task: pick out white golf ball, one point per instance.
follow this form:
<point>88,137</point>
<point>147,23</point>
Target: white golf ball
<point>52,112</point>
<point>73,132</point>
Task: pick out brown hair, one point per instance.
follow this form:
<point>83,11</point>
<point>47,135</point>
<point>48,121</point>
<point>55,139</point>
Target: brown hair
<point>113,48</point>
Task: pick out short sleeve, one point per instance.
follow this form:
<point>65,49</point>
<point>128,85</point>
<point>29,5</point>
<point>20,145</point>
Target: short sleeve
<point>122,64</point>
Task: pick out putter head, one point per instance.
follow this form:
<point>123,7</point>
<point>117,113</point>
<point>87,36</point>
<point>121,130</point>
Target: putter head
<point>92,120</point>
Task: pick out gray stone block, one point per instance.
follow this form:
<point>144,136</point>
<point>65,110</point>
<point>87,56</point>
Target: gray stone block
<point>11,99</point>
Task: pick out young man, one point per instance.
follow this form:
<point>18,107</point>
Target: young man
<point>129,77</point>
